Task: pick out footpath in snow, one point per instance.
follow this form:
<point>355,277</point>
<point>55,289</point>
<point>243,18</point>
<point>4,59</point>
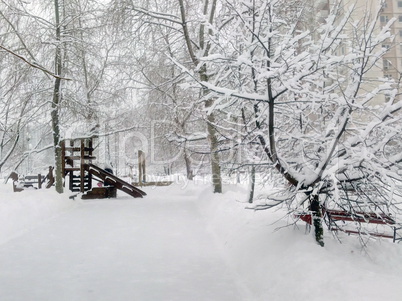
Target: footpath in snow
<point>179,243</point>
<point>124,249</point>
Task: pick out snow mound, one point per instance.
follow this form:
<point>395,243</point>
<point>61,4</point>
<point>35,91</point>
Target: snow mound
<point>22,211</point>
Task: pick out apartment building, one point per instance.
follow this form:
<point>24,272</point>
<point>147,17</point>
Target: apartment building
<point>392,62</point>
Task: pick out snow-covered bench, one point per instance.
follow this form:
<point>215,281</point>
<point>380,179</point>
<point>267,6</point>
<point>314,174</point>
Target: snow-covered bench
<point>32,181</point>
<point>334,216</point>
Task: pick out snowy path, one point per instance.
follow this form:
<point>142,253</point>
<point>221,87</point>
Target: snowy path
<point>122,249</point>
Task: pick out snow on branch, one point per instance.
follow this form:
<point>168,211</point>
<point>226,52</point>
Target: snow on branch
<point>174,137</point>
<point>33,64</point>
<point>158,15</point>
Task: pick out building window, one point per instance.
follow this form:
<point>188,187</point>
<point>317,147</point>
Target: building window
<point>384,19</point>
<point>399,3</point>
<point>386,64</point>
<point>400,18</point>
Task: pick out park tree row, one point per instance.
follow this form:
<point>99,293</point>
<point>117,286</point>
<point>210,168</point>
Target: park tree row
<point>267,86</point>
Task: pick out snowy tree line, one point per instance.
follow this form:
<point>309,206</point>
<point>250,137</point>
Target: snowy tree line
<point>262,86</point>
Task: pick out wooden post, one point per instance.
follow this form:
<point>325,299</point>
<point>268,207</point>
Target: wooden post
<point>71,163</point>
<point>50,177</point>
<point>144,174</point>
<point>39,181</point>
<point>90,149</point>
<point>63,157</point>
<point>82,161</point>
<point>141,167</point>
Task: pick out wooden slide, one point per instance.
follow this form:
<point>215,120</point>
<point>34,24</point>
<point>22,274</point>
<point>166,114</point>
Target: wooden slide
<point>113,180</point>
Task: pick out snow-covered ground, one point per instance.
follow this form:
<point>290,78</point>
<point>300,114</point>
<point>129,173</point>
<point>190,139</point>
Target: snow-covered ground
<point>183,243</point>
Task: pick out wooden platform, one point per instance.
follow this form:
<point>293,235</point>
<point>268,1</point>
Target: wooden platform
<point>100,193</point>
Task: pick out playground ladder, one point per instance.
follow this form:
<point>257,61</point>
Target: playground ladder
<point>76,153</point>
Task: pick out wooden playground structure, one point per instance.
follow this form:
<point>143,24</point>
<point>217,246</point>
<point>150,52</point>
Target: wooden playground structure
<point>77,165</point>
<point>81,173</point>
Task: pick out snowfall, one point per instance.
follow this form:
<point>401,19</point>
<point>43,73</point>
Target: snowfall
<point>180,243</point>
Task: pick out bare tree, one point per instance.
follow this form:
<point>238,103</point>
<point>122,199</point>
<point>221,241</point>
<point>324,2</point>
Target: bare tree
<point>196,37</point>
<point>22,85</point>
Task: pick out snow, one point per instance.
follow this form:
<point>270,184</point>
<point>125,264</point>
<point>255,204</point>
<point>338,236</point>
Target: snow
<point>180,242</point>
<point>126,187</point>
<point>110,179</point>
<point>22,211</point>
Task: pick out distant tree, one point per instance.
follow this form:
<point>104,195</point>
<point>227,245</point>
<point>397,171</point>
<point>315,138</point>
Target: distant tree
<point>196,38</point>
<point>22,80</point>
<point>78,53</point>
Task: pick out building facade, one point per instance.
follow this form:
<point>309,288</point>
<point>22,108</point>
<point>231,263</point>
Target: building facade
<point>392,62</point>
<point>390,66</point>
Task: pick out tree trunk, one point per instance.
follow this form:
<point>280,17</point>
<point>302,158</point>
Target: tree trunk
<point>317,220</point>
<point>56,103</point>
<point>212,138</point>
<point>205,46</point>
<point>214,145</point>
<point>252,185</point>
<point>215,161</point>
<point>187,160</point>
